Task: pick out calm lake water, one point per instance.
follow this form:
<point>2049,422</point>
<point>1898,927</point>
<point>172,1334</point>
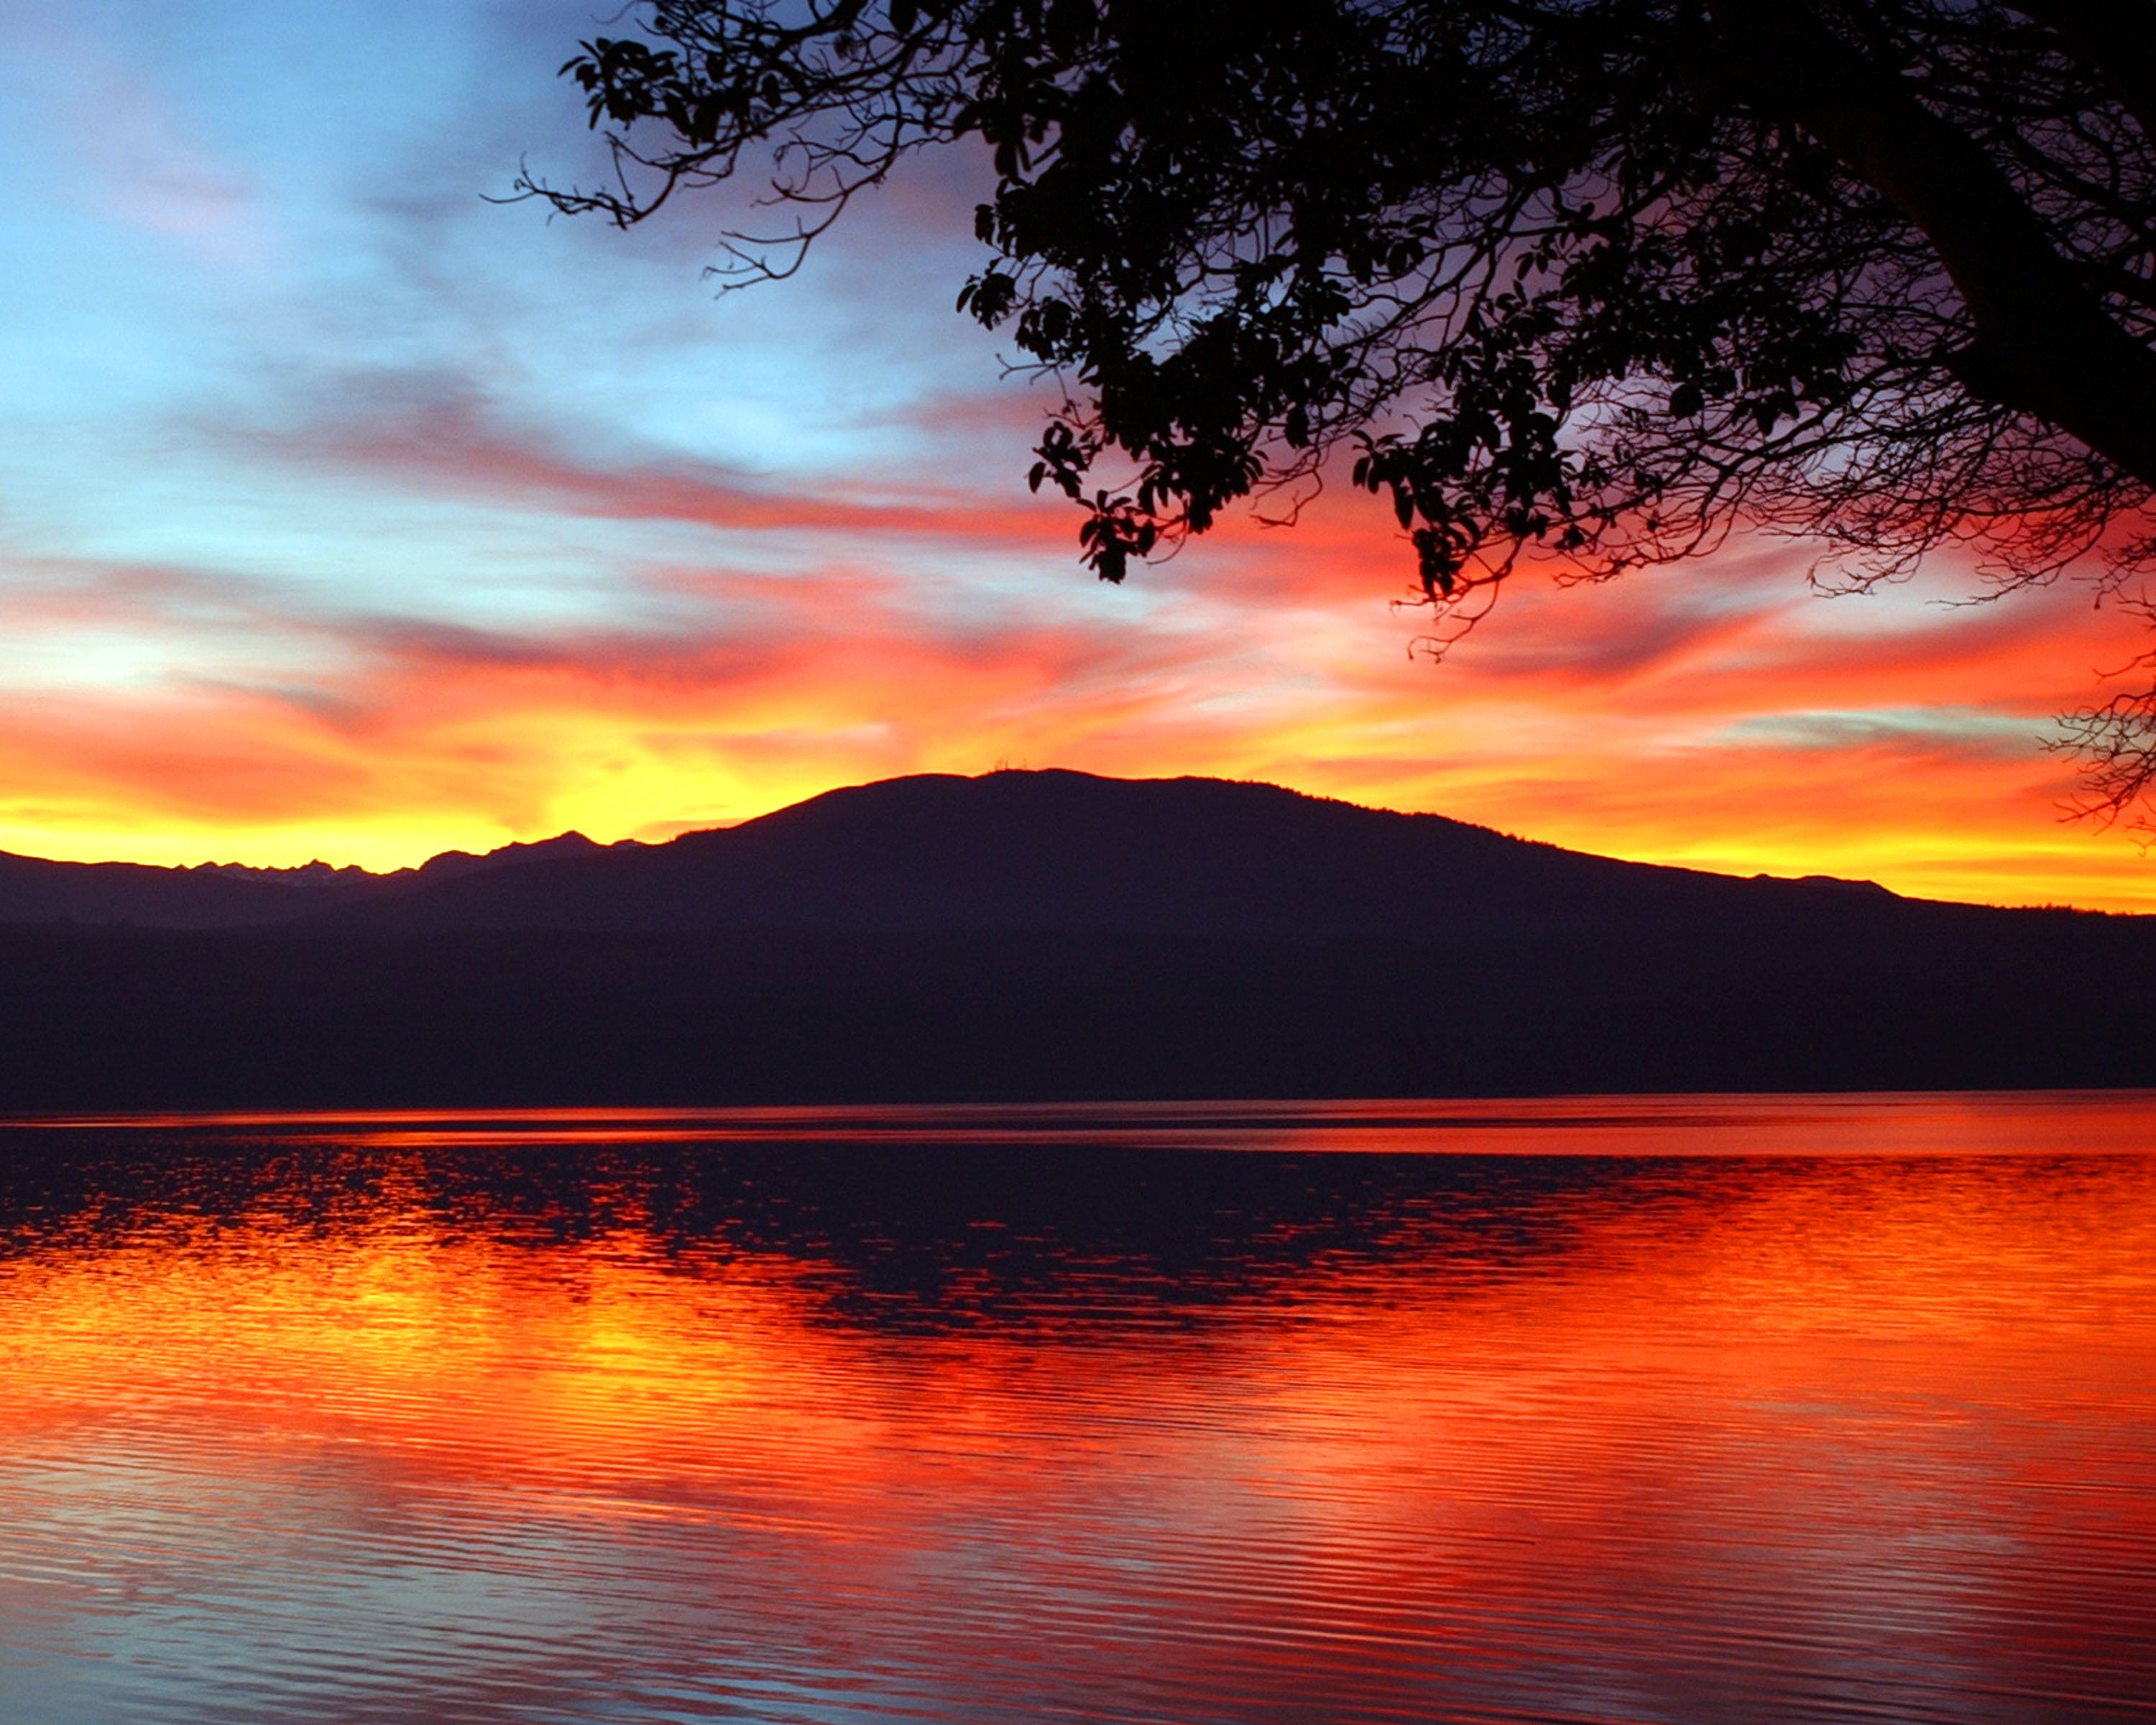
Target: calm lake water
<point>1718,1409</point>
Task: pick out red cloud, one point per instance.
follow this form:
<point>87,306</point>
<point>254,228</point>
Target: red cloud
<point>1715,714</point>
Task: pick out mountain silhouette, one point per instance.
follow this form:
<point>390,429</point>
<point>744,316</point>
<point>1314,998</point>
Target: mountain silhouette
<point>1036,851</point>
<point>1055,850</point>
<point>229,894</point>
<point>33,890</point>
<point>1033,935</point>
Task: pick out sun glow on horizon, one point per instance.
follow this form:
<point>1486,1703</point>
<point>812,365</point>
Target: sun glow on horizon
<point>1689,716</point>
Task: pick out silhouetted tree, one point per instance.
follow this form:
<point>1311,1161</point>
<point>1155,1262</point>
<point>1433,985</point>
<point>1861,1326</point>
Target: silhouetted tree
<point>1589,281</point>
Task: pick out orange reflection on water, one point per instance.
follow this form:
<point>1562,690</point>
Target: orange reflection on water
<point>1870,1124</point>
<point>1645,1438</point>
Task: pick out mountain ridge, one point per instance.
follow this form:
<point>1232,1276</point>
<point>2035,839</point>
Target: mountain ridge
<point>1006,850</point>
<point>1059,849</point>
<point>213,895</point>
<point>1050,848</point>
<point>1043,936</point>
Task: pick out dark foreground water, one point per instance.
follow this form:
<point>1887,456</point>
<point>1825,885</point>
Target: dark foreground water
<point>1679,1410</point>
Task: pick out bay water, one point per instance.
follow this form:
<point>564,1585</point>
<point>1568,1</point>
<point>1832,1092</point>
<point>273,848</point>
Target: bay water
<point>1649,1408</point>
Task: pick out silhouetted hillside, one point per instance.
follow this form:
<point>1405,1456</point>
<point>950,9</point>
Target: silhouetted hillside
<point>1039,935</point>
<point>96,1019</point>
<point>33,890</point>
<point>227,895</point>
<point>1067,850</point>
<point>1009,851</point>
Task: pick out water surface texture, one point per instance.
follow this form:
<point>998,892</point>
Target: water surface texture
<point>1731,1409</point>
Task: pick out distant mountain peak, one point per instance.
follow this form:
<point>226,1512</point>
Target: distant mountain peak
<point>1039,850</point>
<point>448,863</point>
<point>1053,849</point>
<point>298,874</point>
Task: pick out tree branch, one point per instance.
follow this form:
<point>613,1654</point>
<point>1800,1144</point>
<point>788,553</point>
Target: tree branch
<point>2042,342</point>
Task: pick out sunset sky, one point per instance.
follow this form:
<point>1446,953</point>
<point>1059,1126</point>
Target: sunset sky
<point>344,514</point>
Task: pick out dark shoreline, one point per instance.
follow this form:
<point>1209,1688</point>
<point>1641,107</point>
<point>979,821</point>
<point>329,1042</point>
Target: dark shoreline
<point>104,1018</point>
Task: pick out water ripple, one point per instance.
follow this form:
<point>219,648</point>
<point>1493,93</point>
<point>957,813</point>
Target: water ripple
<point>1204,1414</point>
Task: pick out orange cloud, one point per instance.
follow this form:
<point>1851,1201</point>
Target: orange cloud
<point>1717,714</point>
